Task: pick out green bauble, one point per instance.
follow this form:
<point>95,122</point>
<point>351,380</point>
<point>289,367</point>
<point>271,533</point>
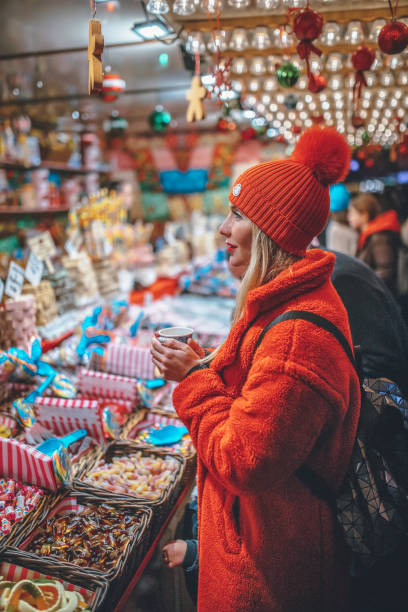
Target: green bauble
<point>159,120</point>
<point>365,136</point>
<point>287,75</point>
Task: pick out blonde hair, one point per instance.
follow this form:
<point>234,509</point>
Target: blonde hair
<point>267,260</point>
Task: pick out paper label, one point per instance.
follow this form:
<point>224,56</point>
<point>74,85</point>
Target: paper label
<point>34,269</point>
<point>42,245</point>
<point>15,280</point>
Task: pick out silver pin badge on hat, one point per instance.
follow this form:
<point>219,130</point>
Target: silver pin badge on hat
<point>236,189</point>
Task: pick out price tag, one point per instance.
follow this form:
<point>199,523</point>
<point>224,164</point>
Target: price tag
<point>74,242</point>
<point>34,269</point>
<point>1,289</point>
<point>43,246</point>
<point>15,280</point>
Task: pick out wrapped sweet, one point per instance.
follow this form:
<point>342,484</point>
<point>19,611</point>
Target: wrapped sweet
<point>41,594</point>
<point>16,500</point>
<point>94,537</point>
<point>137,474</point>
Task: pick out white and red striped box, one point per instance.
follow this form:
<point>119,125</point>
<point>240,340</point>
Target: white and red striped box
<point>65,415</point>
<point>13,572</point>
<point>110,386</point>
<point>128,360</point>
<point>22,462</point>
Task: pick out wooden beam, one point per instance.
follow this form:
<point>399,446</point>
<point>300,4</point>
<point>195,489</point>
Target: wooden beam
<point>270,20</point>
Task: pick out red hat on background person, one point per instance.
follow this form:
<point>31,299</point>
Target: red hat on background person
<point>289,199</point>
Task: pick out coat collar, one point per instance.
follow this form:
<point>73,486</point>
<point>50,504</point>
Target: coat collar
<point>299,279</point>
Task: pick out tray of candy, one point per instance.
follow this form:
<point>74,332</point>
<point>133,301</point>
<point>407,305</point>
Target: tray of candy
<point>92,536</point>
<point>133,474</point>
<point>45,583</point>
<point>22,508</point>
<point>138,431</point>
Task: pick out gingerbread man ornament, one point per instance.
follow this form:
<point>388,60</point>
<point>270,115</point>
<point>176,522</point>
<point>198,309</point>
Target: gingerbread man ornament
<point>196,95</point>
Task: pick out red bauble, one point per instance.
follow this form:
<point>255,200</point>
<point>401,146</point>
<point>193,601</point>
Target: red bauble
<point>369,163</point>
<point>357,121</point>
<point>317,83</point>
<point>248,134</point>
<point>317,119</point>
<point>393,37</point>
<point>307,24</point>
<point>363,58</point>
<point>403,147</point>
<point>113,86</point>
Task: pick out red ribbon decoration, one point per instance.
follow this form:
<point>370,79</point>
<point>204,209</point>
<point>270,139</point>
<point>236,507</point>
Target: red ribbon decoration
<point>307,26</point>
<point>362,59</point>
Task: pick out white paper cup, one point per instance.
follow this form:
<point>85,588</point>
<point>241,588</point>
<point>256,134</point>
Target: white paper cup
<point>182,334</point>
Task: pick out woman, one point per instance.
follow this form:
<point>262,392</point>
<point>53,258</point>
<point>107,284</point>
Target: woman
<point>339,235</point>
<point>266,543</point>
<point>379,240</point>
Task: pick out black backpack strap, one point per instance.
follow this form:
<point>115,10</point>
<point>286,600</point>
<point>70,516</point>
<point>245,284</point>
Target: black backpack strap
<point>317,320</point>
<point>315,483</point>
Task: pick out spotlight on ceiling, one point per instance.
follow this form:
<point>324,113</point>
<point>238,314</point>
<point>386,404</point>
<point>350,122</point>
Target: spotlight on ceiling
<point>154,28</point>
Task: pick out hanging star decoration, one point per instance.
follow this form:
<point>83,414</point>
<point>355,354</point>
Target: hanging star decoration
<point>95,48</point>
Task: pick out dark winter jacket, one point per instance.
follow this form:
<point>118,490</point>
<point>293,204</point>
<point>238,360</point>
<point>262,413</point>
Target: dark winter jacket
<point>378,247</point>
<point>375,320</point>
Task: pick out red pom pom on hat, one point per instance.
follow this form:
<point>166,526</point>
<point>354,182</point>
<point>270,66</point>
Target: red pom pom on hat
<point>325,152</point>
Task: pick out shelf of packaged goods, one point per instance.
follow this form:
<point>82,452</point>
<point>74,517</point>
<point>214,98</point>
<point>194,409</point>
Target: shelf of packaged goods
<point>54,167</point>
<point>19,210</point>
<point>133,582</point>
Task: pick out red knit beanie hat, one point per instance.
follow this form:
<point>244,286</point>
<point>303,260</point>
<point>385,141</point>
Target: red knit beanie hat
<point>289,199</point>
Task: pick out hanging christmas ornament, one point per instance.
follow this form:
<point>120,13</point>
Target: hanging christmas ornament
<point>196,95</point>
<point>316,83</point>
<point>393,37</point>
<point>291,101</point>
<point>307,26</point>
<point>95,48</point>
<point>222,67</point>
<point>317,118</point>
<point>365,137</point>
<point>113,85</point>
<point>287,75</point>
<point>357,121</point>
<point>403,147</point>
<point>362,59</point>
<point>248,134</point>
<point>159,119</point>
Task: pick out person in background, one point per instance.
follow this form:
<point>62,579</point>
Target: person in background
<point>339,235</point>
<point>379,239</point>
<point>376,323</point>
<point>256,415</point>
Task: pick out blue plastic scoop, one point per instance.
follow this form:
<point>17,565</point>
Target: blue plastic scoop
<point>52,444</point>
<point>170,434</point>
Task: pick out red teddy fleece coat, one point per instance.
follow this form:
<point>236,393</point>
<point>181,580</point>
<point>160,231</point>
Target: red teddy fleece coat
<point>265,542</point>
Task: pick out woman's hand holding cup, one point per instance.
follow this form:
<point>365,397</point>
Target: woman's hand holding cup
<point>174,352</point>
